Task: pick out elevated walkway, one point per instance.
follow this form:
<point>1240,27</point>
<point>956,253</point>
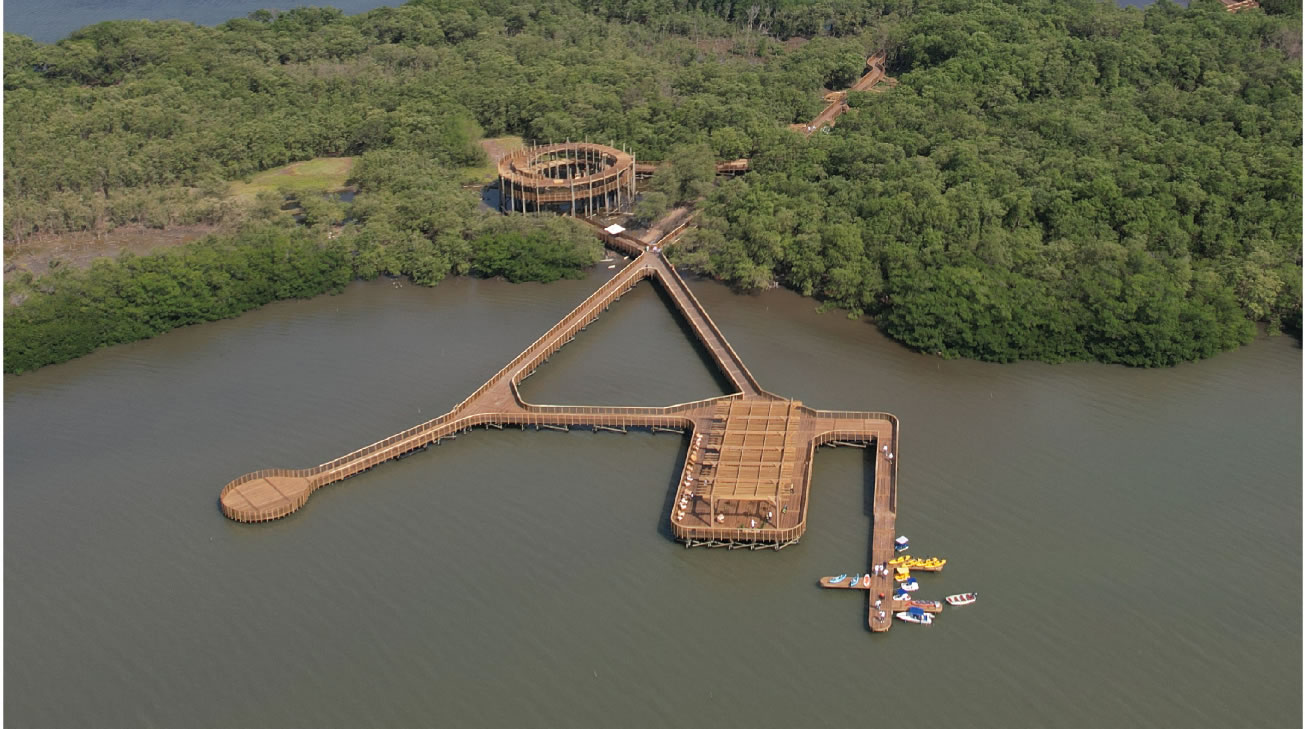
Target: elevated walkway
<point>838,99</point>
<point>747,475</point>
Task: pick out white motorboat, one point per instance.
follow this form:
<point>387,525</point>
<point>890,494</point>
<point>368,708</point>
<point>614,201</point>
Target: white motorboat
<point>915,615</point>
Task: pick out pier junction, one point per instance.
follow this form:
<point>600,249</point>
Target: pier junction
<point>746,479</point>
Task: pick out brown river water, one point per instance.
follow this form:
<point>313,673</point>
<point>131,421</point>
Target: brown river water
<point>1135,535</point>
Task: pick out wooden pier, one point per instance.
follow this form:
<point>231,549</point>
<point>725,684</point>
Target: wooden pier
<point>747,477</point>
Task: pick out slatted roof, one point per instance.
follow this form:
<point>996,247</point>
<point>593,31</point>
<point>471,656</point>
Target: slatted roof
<point>751,450</point>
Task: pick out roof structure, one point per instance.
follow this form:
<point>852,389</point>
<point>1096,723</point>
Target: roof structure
<point>751,451</point>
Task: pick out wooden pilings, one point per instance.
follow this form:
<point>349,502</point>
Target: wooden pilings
<point>593,174</point>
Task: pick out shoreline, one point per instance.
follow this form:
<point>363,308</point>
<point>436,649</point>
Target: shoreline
<point>1261,329</point>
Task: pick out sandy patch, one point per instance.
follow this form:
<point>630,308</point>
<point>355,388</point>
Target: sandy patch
<point>79,249</point>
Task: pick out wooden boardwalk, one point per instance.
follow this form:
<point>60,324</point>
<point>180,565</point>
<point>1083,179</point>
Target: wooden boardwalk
<point>747,476</point>
<point>838,99</point>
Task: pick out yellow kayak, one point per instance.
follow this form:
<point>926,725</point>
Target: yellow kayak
<point>928,563</point>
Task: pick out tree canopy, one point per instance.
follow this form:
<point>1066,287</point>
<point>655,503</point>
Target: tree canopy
<point>1051,179</point>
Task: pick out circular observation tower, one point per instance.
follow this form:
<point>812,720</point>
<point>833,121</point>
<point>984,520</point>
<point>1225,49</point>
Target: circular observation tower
<point>576,177</point>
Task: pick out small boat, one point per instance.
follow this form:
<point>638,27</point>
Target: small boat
<point>855,580</point>
<point>910,585</point>
<point>915,615</point>
<point>866,580</point>
<point>901,544</point>
<point>900,594</point>
<point>925,604</point>
<point>836,580</point>
<point>902,574</point>
<point>965,598</point>
<point>612,266</point>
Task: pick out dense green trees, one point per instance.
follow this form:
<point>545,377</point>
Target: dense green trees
<point>1052,179</point>
<point>125,106</point>
<point>686,175</point>
<point>136,297</point>
<point>553,249</point>
<point>71,312</point>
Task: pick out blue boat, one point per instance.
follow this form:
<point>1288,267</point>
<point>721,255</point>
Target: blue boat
<point>836,580</point>
<point>901,544</point>
<point>915,615</point>
<point>910,585</point>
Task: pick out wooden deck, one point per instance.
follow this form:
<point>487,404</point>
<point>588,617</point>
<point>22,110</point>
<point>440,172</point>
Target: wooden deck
<point>746,478</point>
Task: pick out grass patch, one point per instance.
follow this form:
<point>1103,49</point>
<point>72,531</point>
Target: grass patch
<point>488,172</point>
<point>323,174</point>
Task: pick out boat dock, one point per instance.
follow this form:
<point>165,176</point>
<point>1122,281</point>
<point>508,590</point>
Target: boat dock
<point>745,483</point>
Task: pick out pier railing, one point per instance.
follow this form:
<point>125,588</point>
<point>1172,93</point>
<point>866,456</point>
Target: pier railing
<point>678,409</point>
<point>566,330</point>
<point>895,431</point>
<point>694,311</point>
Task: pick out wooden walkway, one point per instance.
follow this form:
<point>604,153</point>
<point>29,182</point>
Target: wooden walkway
<point>838,99</point>
<point>747,476</point>
<point>644,170</point>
